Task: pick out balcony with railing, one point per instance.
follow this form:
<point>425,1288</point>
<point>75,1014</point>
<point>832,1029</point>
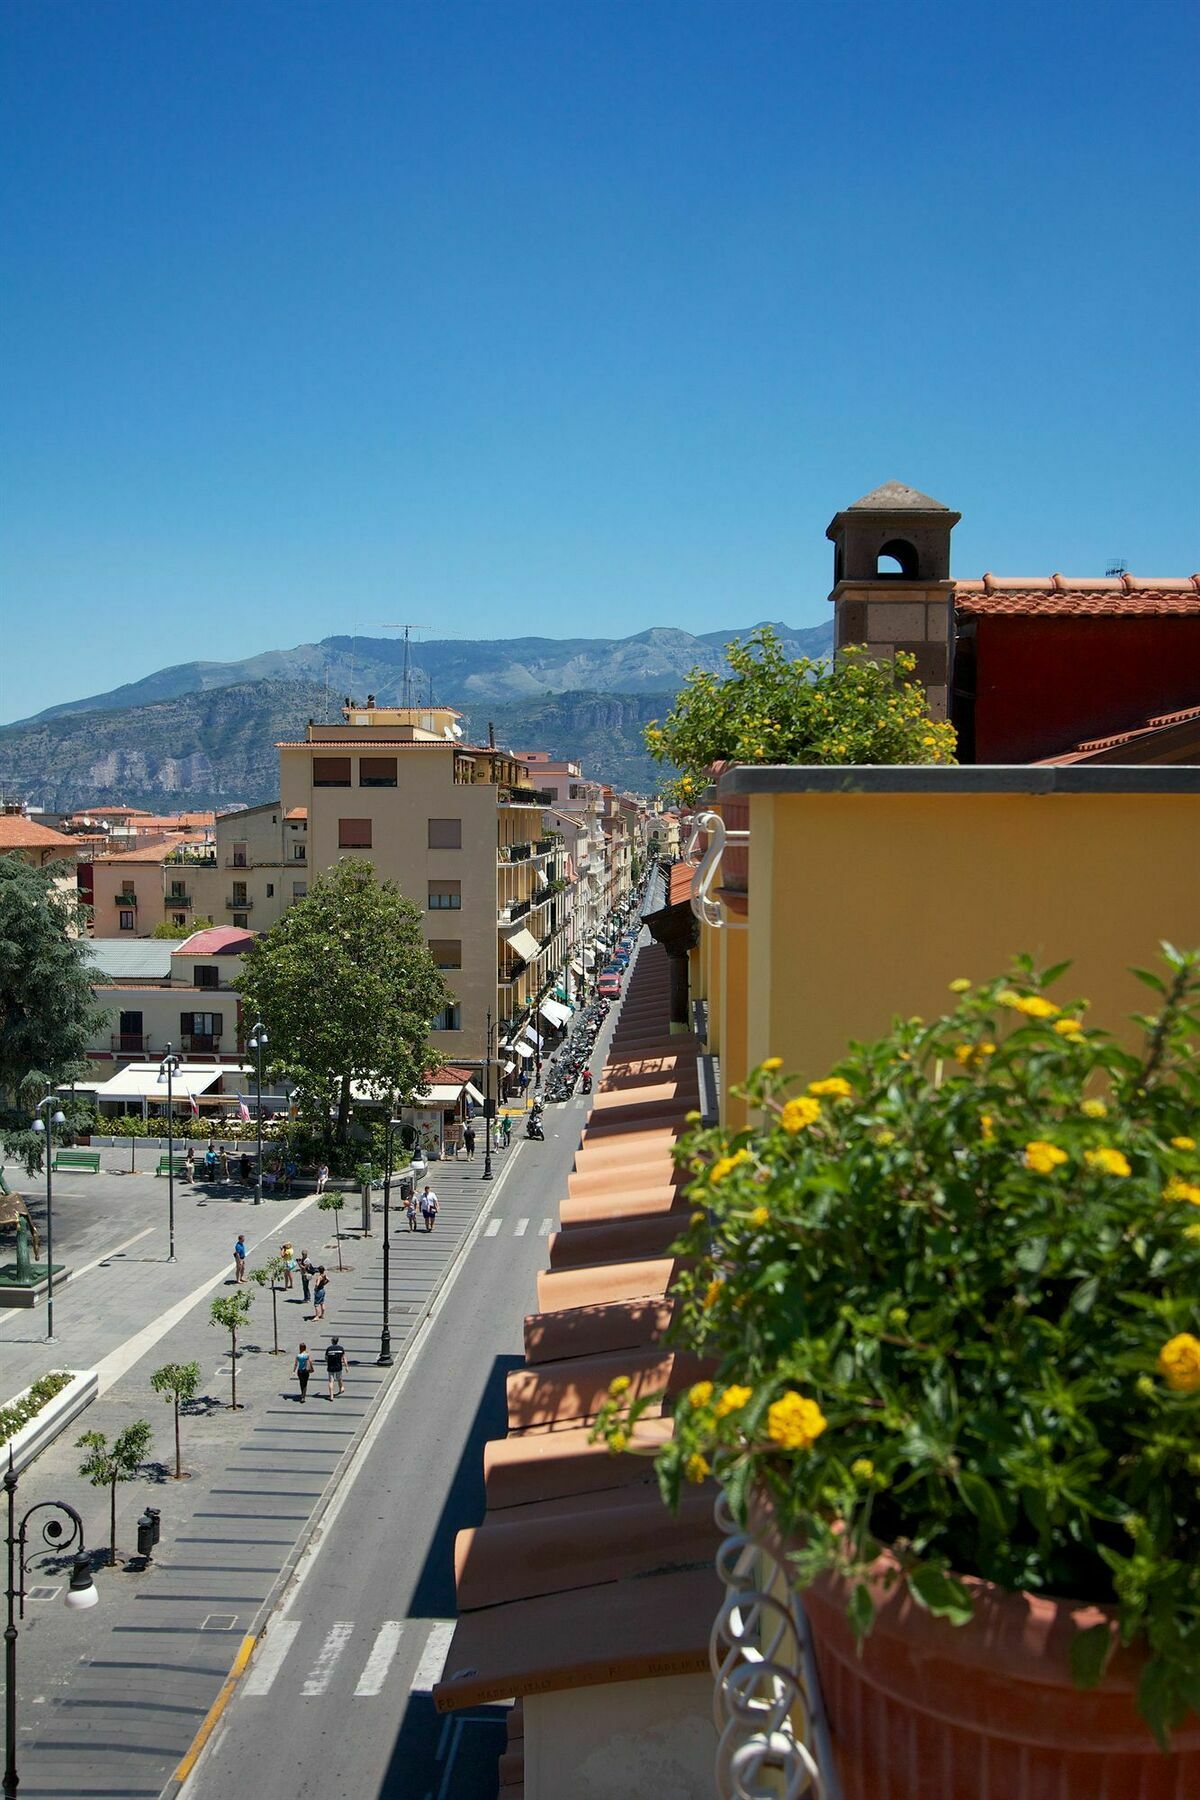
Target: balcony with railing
<point>174,899</point>
<point>200,1043</point>
<point>124,899</point>
<point>516,909</point>
<point>130,1043</point>
<point>511,853</point>
<point>233,904</point>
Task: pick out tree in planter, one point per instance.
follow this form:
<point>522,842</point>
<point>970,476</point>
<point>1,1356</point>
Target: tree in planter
<point>230,1312</point>
<point>179,1383</point>
<point>773,709</point>
<point>367,1019</point>
<point>333,1202</point>
<point>271,1273</point>
<point>106,1465</point>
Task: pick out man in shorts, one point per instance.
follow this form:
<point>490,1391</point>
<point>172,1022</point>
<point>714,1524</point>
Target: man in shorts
<point>335,1364</point>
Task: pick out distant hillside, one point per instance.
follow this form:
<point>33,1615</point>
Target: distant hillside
<point>217,747</point>
<point>459,672</point>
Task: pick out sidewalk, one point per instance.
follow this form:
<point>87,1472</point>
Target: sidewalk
<point>111,1699</point>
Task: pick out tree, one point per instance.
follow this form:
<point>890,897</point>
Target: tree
<point>107,1464</point>
<point>346,987</point>
<point>179,1383</point>
<point>230,1312</point>
<point>199,923</point>
<point>333,1202</point>
<point>272,1272</point>
<point>48,1013</point>
<point>773,709</point>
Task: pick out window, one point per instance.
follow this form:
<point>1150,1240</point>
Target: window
<point>242,921</point>
<point>331,771</point>
<point>239,856</point>
<point>376,771</point>
<point>127,889</point>
<point>178,891</point>
<point>299,852</point>
<point>354,834</point>
<point>124,920</point>
<point>449,1019</point>
<point>270,890</point>
<point>445,834</point>
<point>897,559</point>
<point>299,890</point>
<point>200,1024</point>
<point>446,952</point>
<point>205,977</point>
<point>179,918</point>
<point>239,891</point>
<point>445,896</point>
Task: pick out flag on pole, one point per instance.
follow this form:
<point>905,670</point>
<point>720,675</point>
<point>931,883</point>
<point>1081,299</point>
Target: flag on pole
<point>243,1109</point>
<point>194,1107</point>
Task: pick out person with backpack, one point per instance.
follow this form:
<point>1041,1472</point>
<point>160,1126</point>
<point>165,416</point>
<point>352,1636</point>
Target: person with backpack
<point>429,1207</point>
<point>320,1283</point>
<point>335,1363</point>
<point>302,1369</point>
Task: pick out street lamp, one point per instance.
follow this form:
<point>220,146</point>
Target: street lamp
<point>258,1043</point>
<point>170,1067</point>
<point>63,1532</point>
<point>384,1359</point>
<point>58,1117</point>
<point>487,1103</point>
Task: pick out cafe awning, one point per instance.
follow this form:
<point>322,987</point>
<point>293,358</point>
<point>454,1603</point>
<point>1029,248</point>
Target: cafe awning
<point>577,965</point>
<point>525,944</point>
<point>555,1012</point>
<point>142,1081</point>
<point>523,1049</point>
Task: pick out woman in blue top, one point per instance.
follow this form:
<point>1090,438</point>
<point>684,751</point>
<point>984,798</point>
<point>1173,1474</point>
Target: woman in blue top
<point>302,1369</point>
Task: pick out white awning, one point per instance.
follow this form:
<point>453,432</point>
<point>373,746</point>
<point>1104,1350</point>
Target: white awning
<point>440,1093</point>
<point>508,1067</point>
<point>555,1011</point>
<point>599,943</point>
<point>531,1036</point>
<point>542,879</point>
<point>523,1049</point>
<point>525,944</point>
<point>577,965</point>
<point>474,1093</point>
<point>141,1081</point>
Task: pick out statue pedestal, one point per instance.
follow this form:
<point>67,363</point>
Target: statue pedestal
<point>28,1291</point>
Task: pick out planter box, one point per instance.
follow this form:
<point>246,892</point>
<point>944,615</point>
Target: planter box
<point>55,1416</point>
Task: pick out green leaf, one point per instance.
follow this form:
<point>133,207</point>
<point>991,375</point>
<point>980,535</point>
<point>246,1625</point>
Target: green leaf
<point>1083,1297</point>
<point>1149,979</point>
<point>862,1610</point>
<point>984,1502</point>
<point>940,1594</point>
<point>1031,1255</point>
<point>1090,1651</point>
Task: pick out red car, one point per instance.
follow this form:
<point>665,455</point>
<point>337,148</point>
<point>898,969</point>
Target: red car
<point>610,987</point>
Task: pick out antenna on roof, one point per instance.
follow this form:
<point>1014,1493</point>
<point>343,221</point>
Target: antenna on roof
<point>1117,566</point>
<point>406,697</point>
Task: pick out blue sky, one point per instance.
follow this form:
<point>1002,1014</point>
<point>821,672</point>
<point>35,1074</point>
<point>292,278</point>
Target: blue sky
<point>574,317</point>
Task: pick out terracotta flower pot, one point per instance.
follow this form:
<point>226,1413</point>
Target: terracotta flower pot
<point>987,1710</point>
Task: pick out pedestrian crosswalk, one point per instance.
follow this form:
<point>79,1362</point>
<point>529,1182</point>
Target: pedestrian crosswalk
<point>516,1227</point>
<point>346,1655</point>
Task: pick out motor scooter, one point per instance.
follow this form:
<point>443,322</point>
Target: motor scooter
<point>587,1081</point>
<point>533,1128</point>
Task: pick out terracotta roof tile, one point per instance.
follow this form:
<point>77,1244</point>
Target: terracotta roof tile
<point>1094,746</point>
<point>19,833</point>
<point>1055,596</point>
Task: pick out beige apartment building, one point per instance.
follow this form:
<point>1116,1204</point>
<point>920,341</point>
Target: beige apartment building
<point>258,867</point>
<point>460,831</point>
<point>154,993</point>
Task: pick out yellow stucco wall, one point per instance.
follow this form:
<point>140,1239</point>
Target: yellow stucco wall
<point>866,905</point>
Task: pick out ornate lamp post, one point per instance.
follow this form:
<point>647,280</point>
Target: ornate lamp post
<point>62,1531</point>
<point>258,1043</point>
<point>385,1335</point>
<point>46,1125</point>
<point>170,1068</point>
<point>487,1102</point>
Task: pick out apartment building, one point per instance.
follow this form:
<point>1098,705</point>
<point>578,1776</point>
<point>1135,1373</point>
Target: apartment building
<point>154,993</point>
<point>459,829</point>
<point>259,865</point>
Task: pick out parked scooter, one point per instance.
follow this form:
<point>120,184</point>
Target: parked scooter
<point>587,1081</point>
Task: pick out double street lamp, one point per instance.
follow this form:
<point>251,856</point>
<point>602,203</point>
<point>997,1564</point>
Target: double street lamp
<point>62,1531</point>
<point>46,1126</point>
<point>258,1043</point>
<point>168,1069</point>
<point>488,1111</point>
<point>419,1167</point>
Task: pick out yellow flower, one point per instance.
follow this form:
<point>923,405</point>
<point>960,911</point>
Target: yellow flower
<point>772,1064</point>
<point>986,1124</point>
<point>798,1114</point>
<point>1192,1231</point>
<point>1179,1363</point>
<point>618,1441</point>
<point>1042,1157</point>
<point>760,1217</point>
<point>1183,1143</point>
<point>836,1087</point>
<point>1034,1006</point>
<point>884,1138</point>
<point>862,1469</point>
<point>617,1386</point>
<point>691,1118</point>
<point>960,986</point>
<point>712,1294</point>
<point>695,1468</point>
<point>1179,1189</point>
<point>725,1165</point>
<point>732,1400</point>
<point>1093,1109</point>
<point>1068,1027</point>
<point>1145,1387</point>
<point>794,1422</point>
<point>698,1218</point>
<point>1112,1162</point>
<point>972,1053</point>
<point>700,1393</point>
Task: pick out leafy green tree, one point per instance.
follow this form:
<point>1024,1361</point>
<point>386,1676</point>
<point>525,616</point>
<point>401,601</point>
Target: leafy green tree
<point>106,1465</point>
<point>230,1312</point>
<point>180,931</point>
<point>776,709</point>
<point>179,1383</point>
<point>270,1274</point>
<point>346,987</point>
<point>47,1009</point>
<point>333,1202</point>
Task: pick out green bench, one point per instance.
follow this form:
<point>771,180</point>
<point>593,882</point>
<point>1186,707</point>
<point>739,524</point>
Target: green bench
<point>78,1159</point>
<point>164,1166</point>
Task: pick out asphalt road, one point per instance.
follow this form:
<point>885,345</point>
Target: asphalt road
<point>336,1704</point>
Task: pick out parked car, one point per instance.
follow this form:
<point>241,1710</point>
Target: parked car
<point>610,986</point>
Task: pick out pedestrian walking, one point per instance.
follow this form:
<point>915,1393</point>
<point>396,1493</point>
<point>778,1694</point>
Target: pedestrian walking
<point>302,1369</point>
<point>469,1139</point>
<point>239,1259</point>
<point>335,1363</point>
<point>189,1164</point>
<point>210,1161</point>
<point>306,1274</point>
<point>320,1284</point>
<point>224,1158</point>
<point>288,1257</point>
<point>410,1208</point>
<point>429,1206</point>
<point>322,1177</point>
<point>244,1169</point>
<point>506,1130</point>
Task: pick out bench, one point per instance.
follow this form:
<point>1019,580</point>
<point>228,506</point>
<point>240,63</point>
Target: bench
<point>164,1166</point>
<point>78,1159</point>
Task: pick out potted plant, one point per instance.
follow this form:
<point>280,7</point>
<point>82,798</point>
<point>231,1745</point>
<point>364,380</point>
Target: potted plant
<point>952,1295</point>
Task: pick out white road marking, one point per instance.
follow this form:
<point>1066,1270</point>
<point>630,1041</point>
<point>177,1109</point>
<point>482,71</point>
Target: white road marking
<point>546,1227</point>
<point>493,1226</point>
<point>387,1642</point>
<point>321,1673</point>
<point>521,1227</point>
<point>433,1657</point>
<point>267,1664</point>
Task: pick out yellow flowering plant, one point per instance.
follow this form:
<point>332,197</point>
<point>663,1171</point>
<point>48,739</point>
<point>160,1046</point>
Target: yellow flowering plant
<point>955,1311</point>
<point>776,709</point>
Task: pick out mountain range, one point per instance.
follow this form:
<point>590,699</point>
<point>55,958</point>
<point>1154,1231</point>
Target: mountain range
<point>203,733</point>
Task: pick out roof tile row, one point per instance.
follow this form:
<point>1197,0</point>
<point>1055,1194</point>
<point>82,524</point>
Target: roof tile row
<point>1119,596</point>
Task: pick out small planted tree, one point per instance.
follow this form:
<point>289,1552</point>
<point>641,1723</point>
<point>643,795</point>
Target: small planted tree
<point>178,1383</point>
<point>230,1312</point>
<point>106,1465</point>
<point>272,1273</point>
<point>333,1202</point>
